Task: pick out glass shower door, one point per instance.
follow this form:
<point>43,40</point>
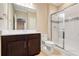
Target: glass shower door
<point>55,29</point>
<point>61,29</point>
<point>58,29</point>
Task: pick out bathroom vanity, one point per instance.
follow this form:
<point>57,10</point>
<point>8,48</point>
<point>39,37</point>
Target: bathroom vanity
<point>20,44</point>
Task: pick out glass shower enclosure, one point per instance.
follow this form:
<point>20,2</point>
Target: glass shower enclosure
<point>65,29</point>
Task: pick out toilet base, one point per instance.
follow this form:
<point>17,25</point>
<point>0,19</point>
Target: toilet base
<point>47,46</point>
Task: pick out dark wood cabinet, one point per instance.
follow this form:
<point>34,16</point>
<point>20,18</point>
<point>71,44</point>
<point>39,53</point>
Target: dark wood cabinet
<point>16,48</point>
<point>33,44</point>
<point>20,45</point>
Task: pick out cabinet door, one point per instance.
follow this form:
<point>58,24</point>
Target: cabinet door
<point>33,44</point>
<point>16,48</point>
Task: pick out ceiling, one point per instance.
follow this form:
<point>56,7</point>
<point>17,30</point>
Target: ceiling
<point>26,9</point>
<point>57,4</point>
<point>23,8</point>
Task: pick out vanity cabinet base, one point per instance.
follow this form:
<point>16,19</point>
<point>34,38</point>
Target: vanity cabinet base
<point>21,45</point>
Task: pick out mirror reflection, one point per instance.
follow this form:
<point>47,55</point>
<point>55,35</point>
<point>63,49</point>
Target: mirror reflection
<point>23,17</point>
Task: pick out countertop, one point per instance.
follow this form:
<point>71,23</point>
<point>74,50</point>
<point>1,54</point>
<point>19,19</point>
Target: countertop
<point>17,32</point>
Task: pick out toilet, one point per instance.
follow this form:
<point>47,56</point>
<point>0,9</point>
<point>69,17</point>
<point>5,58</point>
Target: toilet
<point>47,45</point>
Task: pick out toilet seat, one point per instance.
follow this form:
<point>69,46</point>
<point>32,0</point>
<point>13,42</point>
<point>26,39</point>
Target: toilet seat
<point>49,42</point>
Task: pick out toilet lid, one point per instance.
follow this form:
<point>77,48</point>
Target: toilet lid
<point>49,42</point>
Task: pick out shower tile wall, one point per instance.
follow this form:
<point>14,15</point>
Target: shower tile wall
<point>72,29</point>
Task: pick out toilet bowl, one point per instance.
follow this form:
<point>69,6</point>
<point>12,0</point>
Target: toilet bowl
<point>49,43</point>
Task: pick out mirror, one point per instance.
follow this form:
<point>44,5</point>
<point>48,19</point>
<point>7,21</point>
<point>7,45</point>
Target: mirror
<point>24,18</point>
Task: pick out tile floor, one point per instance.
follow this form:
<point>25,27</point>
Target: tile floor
<point>55,52</point>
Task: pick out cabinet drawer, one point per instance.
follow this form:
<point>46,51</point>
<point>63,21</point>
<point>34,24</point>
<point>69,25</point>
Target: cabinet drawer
<point>34,36</point>
<point>13,37</point>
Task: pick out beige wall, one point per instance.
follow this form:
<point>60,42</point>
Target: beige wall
<point>42,17</point>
